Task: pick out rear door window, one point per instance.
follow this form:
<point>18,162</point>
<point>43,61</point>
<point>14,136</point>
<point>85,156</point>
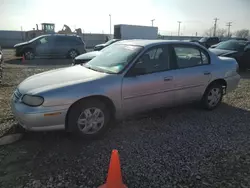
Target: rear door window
<point>190,56</point>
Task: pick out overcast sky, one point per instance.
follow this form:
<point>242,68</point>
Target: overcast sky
<point>93,15</point>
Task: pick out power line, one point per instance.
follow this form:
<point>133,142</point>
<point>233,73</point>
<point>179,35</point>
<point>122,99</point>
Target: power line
<point>215,25</point>
<point>179,27</point>
<point>229,24</point>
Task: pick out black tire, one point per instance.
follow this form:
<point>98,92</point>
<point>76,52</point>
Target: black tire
<point>209,104</point>
<point>72,54</point>
<point>29,54</point>
<point>77,110</point>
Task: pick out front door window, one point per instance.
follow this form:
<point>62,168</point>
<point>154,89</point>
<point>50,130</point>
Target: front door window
<point>154,60</point>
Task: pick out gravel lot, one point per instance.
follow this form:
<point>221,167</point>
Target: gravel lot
<point>179,147</point>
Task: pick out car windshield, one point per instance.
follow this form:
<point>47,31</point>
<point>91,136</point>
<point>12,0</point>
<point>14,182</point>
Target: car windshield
<point>110,41</point>
<point>114,58</point>
<point>204,39</point>
<point>232,45</point>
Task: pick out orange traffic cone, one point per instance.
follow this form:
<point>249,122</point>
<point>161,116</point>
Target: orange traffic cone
<point>114,179</point>
<point>23,58</point>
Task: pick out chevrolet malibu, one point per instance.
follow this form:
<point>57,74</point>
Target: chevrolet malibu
<point>128,77</point>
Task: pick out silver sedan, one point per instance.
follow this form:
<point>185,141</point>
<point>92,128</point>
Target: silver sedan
<point>126,78</point>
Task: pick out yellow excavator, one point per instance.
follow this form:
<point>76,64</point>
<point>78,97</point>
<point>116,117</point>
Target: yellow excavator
<point>66,30</point>
<point>49,28</point>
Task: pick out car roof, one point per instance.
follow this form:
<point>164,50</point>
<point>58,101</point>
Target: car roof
<point>60,35</point>
<point>144,43</point>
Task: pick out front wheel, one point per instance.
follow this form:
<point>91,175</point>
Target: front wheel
<point>89,118</point>
<point>212,97</point>
<point>29,54</point>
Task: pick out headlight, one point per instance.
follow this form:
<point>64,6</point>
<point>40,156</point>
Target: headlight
<point>31,100</point>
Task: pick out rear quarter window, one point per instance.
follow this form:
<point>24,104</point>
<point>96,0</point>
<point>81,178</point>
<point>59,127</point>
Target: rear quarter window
<point>75,41</point>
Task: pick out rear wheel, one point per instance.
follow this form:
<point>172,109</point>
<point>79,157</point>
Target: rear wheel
<point>89,118</point>
<point>213,96</point>
<point>72,54</point>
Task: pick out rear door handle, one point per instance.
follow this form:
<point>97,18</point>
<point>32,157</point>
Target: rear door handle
<point>207,73</point>
<point>169,78</point>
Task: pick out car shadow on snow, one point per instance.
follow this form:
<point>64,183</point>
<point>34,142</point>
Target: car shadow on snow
<point>198,136</point>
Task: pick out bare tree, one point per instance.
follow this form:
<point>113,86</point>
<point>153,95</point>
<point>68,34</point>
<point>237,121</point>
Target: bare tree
<point>219,32</point>
<point>243,33</point>
<point>209,32</point>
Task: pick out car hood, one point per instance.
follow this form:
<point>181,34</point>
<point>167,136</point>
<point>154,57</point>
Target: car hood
<point>220,52</point>
<point>21,44</point>
<point>99,45</point>
<point>58,78</point>
<point>88,56</point>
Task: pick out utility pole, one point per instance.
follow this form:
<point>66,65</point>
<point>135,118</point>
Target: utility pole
<point>179,27</point>
<point>110,24</point>
<point>215,25</point>
<point>152,21</point>
<point>229,24</point>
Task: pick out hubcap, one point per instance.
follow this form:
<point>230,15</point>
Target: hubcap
<point>73,54</point>
<point>29,55</point>
<point>214,97</point>
<point>91,120</point>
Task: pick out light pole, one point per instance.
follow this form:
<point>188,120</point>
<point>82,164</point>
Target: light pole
<point>152,21</point>
<point>179,27</point>
<point>110,24</point>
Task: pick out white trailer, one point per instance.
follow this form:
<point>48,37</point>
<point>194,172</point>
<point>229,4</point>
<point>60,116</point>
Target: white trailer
<point>125,32</point>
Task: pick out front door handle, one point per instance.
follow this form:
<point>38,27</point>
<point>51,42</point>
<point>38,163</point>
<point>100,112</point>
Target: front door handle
<point>207,73</point>
<point>169,78</point>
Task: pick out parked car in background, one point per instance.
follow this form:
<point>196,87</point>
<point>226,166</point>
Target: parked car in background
<point>84,58</point>
<point>237,49</point>
<point>126,78</point>
<point>209,41</point>
<point>234,38</point>
<point>51,45</point>
<point>192,40</point>
<point>239,38</point>
<point>101,46</point>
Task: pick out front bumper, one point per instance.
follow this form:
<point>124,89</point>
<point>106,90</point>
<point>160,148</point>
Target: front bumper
<point>18,52</point>
<point>39,118</point>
